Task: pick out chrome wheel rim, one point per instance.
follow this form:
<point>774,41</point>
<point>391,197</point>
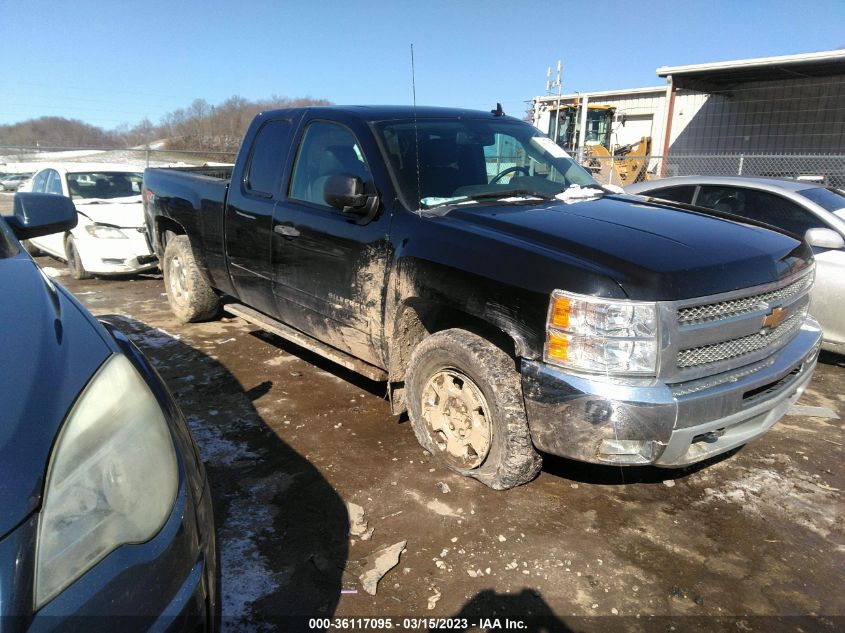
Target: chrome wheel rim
<point>456,415</point>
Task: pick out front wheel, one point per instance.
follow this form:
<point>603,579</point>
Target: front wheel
<point>30,248</point>
<point>74,262</point>
<point>190,295</point>
<point>466,408</point>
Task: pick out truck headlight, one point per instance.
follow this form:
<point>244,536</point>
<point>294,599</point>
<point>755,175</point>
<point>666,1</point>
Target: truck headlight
<point>112,478</point>
<point>104,232</point>
<point>602,335</point>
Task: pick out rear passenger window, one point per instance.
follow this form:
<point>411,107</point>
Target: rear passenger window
<point>761,206</point>
<point>268,156</point>
<point>681,193</point>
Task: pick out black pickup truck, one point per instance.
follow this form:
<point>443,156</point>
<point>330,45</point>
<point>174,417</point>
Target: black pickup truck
<point>511,303</point>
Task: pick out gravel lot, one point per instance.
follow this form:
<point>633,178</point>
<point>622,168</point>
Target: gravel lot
<point>290,439</point>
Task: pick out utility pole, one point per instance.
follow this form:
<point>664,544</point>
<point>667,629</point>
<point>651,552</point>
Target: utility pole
<point>557,83</point>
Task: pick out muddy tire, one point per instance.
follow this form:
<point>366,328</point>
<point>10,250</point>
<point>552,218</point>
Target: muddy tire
<point>466,408</point>
<point>74,263</point>
<point>191,297</point>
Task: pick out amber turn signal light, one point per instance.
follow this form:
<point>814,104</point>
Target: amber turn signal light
<point>560,312</point>
<point>558,346</point>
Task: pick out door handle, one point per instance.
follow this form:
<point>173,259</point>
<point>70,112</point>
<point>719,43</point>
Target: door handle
<point>287,231</point>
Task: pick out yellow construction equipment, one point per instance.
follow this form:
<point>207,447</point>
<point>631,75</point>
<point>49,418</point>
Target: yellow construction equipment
<point>628,163</point>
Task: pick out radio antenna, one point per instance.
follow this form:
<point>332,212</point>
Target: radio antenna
<point>416,131</point>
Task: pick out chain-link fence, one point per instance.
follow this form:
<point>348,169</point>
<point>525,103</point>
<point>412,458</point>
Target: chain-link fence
<point>822,169</point>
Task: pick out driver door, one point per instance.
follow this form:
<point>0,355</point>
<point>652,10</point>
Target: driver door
<point>329,268</point>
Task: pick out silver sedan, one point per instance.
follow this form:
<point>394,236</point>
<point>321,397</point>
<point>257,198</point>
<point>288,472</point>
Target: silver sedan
<point>814,212</point>
<point>10,182</point>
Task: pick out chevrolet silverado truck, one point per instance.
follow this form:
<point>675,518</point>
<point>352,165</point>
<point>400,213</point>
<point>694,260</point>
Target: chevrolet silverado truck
<point>512,305</point>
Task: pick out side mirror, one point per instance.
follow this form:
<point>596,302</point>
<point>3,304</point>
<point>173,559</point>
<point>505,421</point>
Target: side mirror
<point>38,214</point>
<point>824,238</point>
<point>345,192</point>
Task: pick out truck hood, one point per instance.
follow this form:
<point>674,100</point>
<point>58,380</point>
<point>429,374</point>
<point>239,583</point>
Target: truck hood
<point>653,251</point>
<point>120,212</point>
<point>50,351</point>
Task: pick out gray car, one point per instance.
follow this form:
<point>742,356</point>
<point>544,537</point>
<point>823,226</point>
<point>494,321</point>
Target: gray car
<point>814,212</point>
<point>11,182</point>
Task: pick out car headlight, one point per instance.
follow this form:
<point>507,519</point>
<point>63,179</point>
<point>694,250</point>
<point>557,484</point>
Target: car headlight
<point>112,478</point>
<point>105,232</point>
<point>602,335</point>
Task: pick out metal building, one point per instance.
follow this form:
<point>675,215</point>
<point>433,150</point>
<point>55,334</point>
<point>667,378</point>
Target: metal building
<point>785,114</point>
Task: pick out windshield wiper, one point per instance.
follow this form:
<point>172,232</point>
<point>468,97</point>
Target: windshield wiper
<point>510,193</point>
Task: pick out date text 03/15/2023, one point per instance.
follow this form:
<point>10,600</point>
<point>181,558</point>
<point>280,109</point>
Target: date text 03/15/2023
<point>410,624</point>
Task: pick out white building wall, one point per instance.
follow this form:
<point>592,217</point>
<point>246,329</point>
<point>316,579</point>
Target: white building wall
<point>791,116</point>
<point>644,110</point>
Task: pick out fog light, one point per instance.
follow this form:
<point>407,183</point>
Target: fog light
<point>626,451</point>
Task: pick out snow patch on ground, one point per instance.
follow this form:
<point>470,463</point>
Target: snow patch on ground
<point>247,574</point>
<point>216,449</point>
<point>435,505</point>
<point>279,360</point>
<point>790,492</point>
<point>53,272</point>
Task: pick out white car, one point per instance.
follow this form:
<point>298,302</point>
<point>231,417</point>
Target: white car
<point>111,236</point>
<point>805,209</point>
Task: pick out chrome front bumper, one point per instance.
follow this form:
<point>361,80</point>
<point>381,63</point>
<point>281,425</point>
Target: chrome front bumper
<point>608,421</point>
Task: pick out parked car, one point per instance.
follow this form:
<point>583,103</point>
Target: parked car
<point>106,508</point>
<point>804,209</point>
<point>11,182</point>
<point>509,301</point>
<point>110,237</point>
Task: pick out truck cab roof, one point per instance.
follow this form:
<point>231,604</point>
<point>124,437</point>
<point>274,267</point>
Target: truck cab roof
<point>391,112</point>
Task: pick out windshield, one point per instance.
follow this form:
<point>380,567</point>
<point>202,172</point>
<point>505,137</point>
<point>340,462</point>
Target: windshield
<point>828,198</point>
<point>104,185</point>
<point>470,158</point>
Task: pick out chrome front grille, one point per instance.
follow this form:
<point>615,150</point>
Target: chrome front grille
<point>735,307</point>
<point>716,352</point>
<point>721,334</point>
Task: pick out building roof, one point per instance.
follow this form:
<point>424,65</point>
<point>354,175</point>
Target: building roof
<point>593,94</point>
<point>719,76</point>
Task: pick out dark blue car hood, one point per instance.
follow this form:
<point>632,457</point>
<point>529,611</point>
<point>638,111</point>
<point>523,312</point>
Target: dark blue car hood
<point>50,349</point>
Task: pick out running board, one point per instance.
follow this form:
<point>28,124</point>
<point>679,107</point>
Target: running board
<point>303,340</point>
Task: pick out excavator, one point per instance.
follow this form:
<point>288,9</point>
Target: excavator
<point>629,163</point>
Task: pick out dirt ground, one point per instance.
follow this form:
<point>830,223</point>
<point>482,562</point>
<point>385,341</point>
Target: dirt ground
<point>289,439</point>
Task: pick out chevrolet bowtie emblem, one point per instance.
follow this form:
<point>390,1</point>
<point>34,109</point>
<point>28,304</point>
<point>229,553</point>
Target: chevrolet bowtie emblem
<point>774,318</point>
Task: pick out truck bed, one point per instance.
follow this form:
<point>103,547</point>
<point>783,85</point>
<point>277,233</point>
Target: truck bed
<point>194,202</point>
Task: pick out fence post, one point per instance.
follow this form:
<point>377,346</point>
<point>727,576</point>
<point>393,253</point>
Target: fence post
<point>147,153</point>
<point>741,162</point>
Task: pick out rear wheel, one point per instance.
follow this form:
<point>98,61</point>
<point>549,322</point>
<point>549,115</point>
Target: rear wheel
<point>74,263</point>
<point>190,295</point>
<point>466,409</point>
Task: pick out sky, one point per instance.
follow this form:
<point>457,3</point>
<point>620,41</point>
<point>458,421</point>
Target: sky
<point>112,63</point>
